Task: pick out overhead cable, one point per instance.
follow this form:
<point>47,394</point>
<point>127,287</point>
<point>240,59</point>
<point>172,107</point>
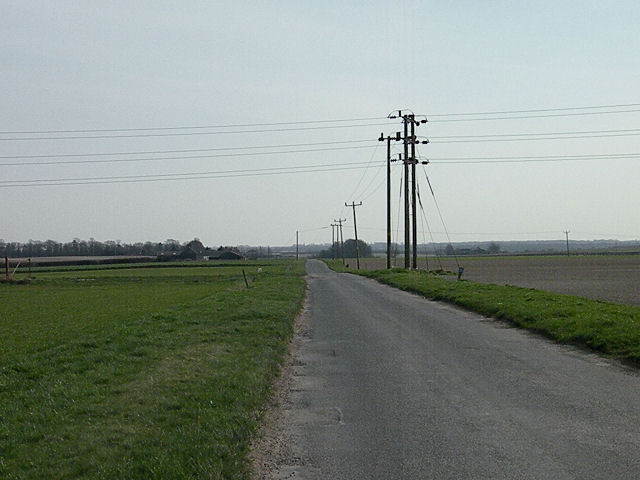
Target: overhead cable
<point>217,149</point>
<point>338,120</point>
<point>582,132</point>
<point>537,110</point>
<point>182,157</point>
<point>533,159</point>
<point>184,176</point>
<point>189,134</point>
<point>530,137</point>
<point>186,127</point>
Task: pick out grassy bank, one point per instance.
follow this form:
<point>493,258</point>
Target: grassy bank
<point>140,373</point>
<point>610,328</point>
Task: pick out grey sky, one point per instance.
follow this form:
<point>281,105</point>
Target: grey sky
<point>146,64</point>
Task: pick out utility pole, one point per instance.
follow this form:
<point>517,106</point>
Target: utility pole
<point>355,228</point>
<point>410,207</point>
<point>296,244</point>
<point>414,260</point>
<point>567,232</point>
<point>333,242</point>
<point>381,139</point>
<point>405,120</point>
<point>339,221</point>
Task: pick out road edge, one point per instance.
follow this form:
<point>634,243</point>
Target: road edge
<point>271,447</point>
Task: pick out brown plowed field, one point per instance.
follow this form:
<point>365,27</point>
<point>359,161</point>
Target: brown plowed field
<point>612,278</point>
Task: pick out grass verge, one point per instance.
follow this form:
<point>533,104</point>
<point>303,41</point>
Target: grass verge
<point>140,373</point>
<point>609,328</point>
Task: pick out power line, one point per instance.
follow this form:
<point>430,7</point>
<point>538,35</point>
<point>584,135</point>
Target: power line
<point>312,122</point>
<point>364,173</point>
<point>458,139</point>
<point>537,110</point>
<point>222,155</point>
<point>436,160</point>
<point>481,140</point>
<point>183,176</point>
<point>521,117</point>
<point>186,127</point>
<point>152,152</point>
<point>189,134</point>
<point>582,132</point>
<point>324,121</point>
<point>533,159</point>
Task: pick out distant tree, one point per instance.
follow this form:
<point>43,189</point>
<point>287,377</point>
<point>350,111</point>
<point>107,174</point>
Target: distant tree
<point>109,248</point>
<point>349,250</point>
<point>172,245</point>
<point>331,252</point>
<point>493,248</point>
<point>149,248</point>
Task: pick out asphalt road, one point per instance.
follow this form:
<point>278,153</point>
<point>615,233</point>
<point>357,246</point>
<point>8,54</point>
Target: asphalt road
<point>387,385</point>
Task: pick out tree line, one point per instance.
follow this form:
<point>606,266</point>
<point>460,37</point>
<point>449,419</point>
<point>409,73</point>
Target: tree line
<point>86,248</point>
<point>349,250</point>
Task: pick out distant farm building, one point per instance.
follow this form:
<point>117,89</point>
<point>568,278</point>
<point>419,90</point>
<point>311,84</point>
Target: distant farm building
<point>224,255</point>
<point>195,250</point>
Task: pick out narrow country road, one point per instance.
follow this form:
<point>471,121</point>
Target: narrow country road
<point>387,385</point>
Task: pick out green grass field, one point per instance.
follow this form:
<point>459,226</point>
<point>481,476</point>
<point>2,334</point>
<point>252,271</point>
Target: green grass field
<point>609,328</point>
<point>141,373</point>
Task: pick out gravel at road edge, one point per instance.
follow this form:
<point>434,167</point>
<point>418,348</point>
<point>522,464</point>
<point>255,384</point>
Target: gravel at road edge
<point>271,451</point>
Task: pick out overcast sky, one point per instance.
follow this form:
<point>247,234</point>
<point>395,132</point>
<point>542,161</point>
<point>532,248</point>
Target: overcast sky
<point>250,75</point>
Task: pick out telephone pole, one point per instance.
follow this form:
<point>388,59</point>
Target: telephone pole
<point>339,222</point>
<point>355,228</point>
<point>567,232</point>
<point>388,139</point>
<point>296,244</point>
<point>414,259</point>
<point>410,206</point>
<point>405,158</point>
<point>333,242</point>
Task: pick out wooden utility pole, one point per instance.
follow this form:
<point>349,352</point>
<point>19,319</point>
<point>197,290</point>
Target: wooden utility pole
<point>339,222</point>
<point>414,259</point>
<point>405,159</point>
<point>567,232</point>
<point>296,244</point>
<point>355,229</point>
<point>410,206</point>
<point>388,202</point>
<point>342,240</point>
<point>388,139</point>
<point>333,241</point>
